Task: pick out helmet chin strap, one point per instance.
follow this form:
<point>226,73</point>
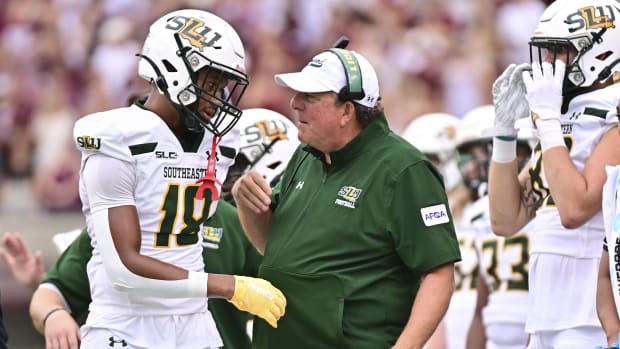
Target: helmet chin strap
<point>190,122</point>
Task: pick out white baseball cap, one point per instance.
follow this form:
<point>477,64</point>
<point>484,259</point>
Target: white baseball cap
<point>325,72</point>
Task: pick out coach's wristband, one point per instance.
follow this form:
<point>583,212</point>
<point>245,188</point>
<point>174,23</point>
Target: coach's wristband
<point>49,313</point>
<point>504,149</point>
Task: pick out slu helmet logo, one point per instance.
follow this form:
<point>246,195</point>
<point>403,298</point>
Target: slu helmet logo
<point>349,194</point>
<point>266,129</point>
<point>193,30</point>
<point>592,18</point>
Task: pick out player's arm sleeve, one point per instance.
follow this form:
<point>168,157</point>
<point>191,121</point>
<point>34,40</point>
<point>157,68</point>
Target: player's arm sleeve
<point>420,220</point>
<point>105,192</point>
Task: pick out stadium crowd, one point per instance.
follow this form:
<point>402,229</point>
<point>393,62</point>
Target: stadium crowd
<point>62,59</point>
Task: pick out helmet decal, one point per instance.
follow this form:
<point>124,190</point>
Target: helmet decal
<point>591,17</point>
<point>194,30</point>
<point>266,129</point>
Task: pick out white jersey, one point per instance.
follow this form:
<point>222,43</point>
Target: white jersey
<point>170,217</point>
<point>583,125</point>
<point>503,265</point>
<point>611,214</point>
<point>463,301</point>
<point>565,261</point>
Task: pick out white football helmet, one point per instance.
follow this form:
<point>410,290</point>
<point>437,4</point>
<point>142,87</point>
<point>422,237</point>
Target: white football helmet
<point>434,135</point>
<point>588,26</point>
<point>268,140</point>
<point>181,43</point>
<point>474,148</point>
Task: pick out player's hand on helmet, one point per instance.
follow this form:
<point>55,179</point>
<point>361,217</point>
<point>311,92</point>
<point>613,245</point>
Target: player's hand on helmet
<point>544,90</point>
<point>259,297</point>
<point>544,94</point>
<point>252,191</point>
<point>509,100</point>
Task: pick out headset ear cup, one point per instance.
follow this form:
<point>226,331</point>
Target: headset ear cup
<point>353,90</point>
<point>343,95</point>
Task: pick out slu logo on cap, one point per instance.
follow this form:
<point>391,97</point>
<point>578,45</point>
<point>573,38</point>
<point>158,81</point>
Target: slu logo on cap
<point>434,215</point>
<point>349,194</point>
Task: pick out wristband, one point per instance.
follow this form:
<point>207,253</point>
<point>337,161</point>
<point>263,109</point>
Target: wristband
<point>50,313</point>
<point>550,134</point>
<point>504,149</point>
<point>197,283</point>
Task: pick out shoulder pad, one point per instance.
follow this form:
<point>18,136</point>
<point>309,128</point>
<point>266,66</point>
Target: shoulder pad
<point>112,132</point>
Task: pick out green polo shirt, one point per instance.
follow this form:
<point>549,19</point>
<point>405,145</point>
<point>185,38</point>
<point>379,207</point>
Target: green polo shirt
<point>226,250</point>
<point>349,242</point>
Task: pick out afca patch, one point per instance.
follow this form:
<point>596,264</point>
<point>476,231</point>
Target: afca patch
<point>434,215</point>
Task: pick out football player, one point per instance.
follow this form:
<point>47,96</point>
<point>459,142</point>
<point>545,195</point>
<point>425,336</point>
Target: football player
<point>268,140</point>
<point>502,263</point>
<point>568,93</point>
<point>434,134</point>
<point>472,163</point>
<point>151,175</point>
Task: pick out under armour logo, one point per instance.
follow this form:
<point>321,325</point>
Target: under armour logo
<point>113,342</point>
<point>299,185</point>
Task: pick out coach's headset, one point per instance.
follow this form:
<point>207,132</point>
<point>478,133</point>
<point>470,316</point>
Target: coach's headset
<point>353,90</point>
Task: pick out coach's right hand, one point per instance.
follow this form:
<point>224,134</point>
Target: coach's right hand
<point>252,191</point>
<point>259,297</point>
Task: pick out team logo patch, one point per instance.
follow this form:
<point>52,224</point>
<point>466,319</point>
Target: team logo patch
<point>434,215</point>
<point>88,142</point>
<point>347,196</point>
<point>212,237</point>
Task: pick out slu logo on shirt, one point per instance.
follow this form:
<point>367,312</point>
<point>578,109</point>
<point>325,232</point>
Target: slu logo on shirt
<point>434,215</point>
<point>349,194</point>
<point>88,142</point>
<point>211,237</point>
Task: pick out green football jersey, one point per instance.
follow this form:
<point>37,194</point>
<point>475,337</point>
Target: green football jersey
<point>349,242</point>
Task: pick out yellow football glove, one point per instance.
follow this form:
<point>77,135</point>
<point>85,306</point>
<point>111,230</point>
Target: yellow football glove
<point>259,297</point>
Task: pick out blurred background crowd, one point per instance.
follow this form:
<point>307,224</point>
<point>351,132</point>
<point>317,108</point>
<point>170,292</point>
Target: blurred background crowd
<point>62,59</point>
